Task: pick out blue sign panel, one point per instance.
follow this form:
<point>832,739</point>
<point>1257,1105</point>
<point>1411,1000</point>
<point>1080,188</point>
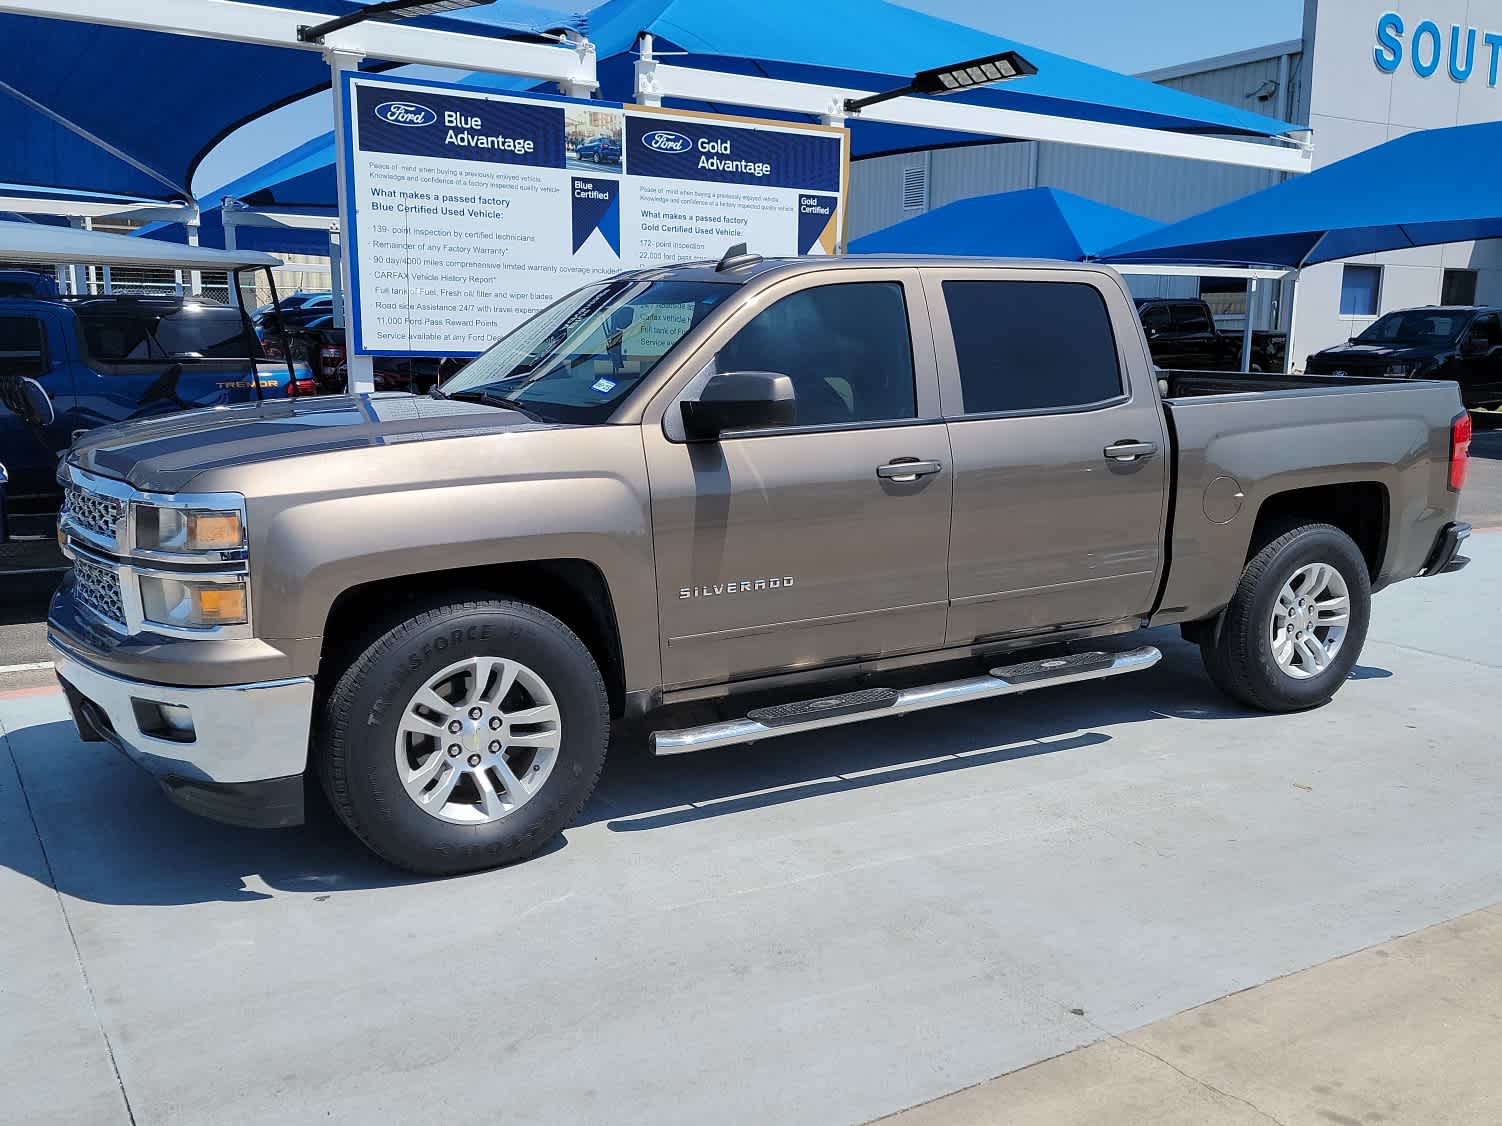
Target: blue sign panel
<point>432,124</point>
<point>687,149</point>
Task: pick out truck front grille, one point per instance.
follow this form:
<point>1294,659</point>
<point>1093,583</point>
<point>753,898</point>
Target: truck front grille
<point>94,512</point>
<point>98,588</point>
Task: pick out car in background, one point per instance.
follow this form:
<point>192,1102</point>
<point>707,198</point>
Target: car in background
<point>1182,336</point>
<point>601,150</point>
<point>1458,342</point>
<point>27,283</point>
<point>102,359</point>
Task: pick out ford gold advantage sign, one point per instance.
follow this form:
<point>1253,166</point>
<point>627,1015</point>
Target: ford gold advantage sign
<point>471,211</point>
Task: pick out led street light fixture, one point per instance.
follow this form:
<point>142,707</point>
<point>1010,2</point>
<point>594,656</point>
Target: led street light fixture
<point>387,11</point>
<point>952,79</point>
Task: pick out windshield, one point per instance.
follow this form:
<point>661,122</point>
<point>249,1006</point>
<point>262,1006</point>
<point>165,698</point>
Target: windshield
<point>1416,326</point>
<point>575,360</point>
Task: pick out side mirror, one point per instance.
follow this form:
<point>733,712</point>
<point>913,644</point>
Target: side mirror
<point>740,400</point>
<point>26,397</point>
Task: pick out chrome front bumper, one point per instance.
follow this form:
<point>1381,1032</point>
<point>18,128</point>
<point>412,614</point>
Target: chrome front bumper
<point>240,733</point>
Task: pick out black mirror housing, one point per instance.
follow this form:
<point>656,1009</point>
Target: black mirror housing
<point>27,398</point>
<point>741,400</point>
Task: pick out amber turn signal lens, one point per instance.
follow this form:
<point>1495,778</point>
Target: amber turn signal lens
<point>219,604</point>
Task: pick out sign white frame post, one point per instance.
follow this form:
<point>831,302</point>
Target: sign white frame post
<point>361,367</point>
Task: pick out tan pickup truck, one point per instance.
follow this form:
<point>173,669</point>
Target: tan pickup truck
<point>720,503</point>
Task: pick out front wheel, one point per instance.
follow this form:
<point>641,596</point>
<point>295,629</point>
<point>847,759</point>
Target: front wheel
<point>1294,629</point>
<point>467,735</point>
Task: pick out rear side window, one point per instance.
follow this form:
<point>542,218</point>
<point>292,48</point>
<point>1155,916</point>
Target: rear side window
<point>23,347</point>
<point>149,336</point>
<point>1032,346</point>
<point>846,348</point>
<point>1156,317</point>
<point>1191,318</point>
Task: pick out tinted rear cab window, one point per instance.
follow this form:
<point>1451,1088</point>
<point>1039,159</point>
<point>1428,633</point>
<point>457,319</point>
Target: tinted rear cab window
<point>1032,347</point>
<point>23,347</point>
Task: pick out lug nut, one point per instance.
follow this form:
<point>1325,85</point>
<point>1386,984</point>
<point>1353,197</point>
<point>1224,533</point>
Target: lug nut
<point>455,727</point>
<point>475,713</point>
<point>474,760</point>
<point>495,723</point>
<point>495,745</point>
<point>454,750</point>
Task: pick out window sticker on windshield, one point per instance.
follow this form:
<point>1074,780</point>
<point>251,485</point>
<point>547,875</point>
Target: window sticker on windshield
<point>603,386</point>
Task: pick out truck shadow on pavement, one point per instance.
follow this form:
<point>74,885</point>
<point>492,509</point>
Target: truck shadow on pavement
<point>118,840</point>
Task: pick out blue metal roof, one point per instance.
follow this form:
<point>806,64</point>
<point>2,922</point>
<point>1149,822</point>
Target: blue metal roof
<point>1423,189</point>
<point>1033,223</point>
<point>166,100</point>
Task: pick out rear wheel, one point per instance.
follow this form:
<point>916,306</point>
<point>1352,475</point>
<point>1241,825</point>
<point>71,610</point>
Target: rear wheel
<point>468,734</point>
<point>1294,629</point>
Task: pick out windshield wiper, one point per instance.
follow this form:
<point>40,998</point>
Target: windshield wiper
<point>489,398</point>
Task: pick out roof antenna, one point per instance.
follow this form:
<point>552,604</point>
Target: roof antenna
<point>737,257</point>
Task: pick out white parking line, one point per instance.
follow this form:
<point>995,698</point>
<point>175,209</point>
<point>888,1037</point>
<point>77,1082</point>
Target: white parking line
<point>34,666</point>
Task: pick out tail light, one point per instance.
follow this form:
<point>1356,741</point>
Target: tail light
<point>1460,451</point>
<point>332,353</point>
<point>272,350</point>
<point>297,387</point>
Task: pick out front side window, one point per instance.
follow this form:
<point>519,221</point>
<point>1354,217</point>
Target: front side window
<point>846,348</point>
<point>1028,347</point>
<point>23,347</point>
<point>579,357</point>
<point>1488,330</point>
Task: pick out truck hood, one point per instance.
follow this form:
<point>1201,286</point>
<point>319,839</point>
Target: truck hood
<point>164,454</point>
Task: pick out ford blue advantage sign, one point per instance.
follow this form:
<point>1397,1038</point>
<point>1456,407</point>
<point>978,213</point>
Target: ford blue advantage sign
<point>473,210</point>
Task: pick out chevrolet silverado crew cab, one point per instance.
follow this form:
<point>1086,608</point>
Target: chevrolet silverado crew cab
<point>720,503</point>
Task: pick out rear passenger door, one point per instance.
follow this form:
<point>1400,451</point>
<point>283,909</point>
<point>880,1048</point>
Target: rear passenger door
<point>1060,458</point>
<point>1197,342</point>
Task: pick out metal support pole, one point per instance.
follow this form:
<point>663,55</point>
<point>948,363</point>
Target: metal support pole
<point>361,368</point>
<point>646,73</point>
<point>79,281</point>
<point>1293,316</point>
<point>1246,334</point>
<point>195,277</point>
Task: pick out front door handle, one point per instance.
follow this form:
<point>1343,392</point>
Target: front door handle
<point>905,469</point>
<point>1128,450</point>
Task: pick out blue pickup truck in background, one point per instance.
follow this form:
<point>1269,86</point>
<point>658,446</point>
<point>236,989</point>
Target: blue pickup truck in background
<point>110,358</point>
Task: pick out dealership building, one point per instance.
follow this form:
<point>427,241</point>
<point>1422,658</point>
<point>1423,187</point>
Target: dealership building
<point>1364,72</point>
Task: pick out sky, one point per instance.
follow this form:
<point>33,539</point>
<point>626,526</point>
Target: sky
<point>1126,35</point>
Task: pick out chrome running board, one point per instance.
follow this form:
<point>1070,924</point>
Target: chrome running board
<point>872,703</point>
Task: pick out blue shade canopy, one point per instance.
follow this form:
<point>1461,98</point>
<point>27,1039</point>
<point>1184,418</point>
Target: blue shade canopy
<point>1424,189</point>
<point>286,239</point>
<point>863,44</point>
<point>165,100</point>
<point>1033,223</point>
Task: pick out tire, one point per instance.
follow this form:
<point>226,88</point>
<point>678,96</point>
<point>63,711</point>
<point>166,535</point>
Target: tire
<point>1239,653</point>
<point>375,731</point>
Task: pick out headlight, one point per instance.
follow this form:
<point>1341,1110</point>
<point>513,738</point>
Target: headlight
<point>192,604</point>
<point>1405,369</point>
<point>187,529</point>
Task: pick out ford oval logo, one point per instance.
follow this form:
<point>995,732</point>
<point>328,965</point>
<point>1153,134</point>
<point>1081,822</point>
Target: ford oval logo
<point>405,113</point>
<point>665,140</point>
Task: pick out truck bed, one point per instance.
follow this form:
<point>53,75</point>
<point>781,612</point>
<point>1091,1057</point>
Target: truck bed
<point>1243,440</point>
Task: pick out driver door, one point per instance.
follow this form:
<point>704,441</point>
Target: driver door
<point>806,545</point>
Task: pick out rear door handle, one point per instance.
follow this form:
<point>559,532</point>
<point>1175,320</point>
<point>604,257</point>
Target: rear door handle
<point>1127,450</point>
<point>904,469</point>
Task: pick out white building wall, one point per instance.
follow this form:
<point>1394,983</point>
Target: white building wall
<point>1354,104</point>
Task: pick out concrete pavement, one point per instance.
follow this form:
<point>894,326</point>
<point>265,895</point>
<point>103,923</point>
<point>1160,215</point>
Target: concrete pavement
<point>823,930</point>
<point>1403,1032</point>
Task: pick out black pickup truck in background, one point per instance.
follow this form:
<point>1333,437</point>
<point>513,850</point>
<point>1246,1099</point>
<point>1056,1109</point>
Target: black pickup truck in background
<point>1458,342</point>
<point>1181,335</point>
